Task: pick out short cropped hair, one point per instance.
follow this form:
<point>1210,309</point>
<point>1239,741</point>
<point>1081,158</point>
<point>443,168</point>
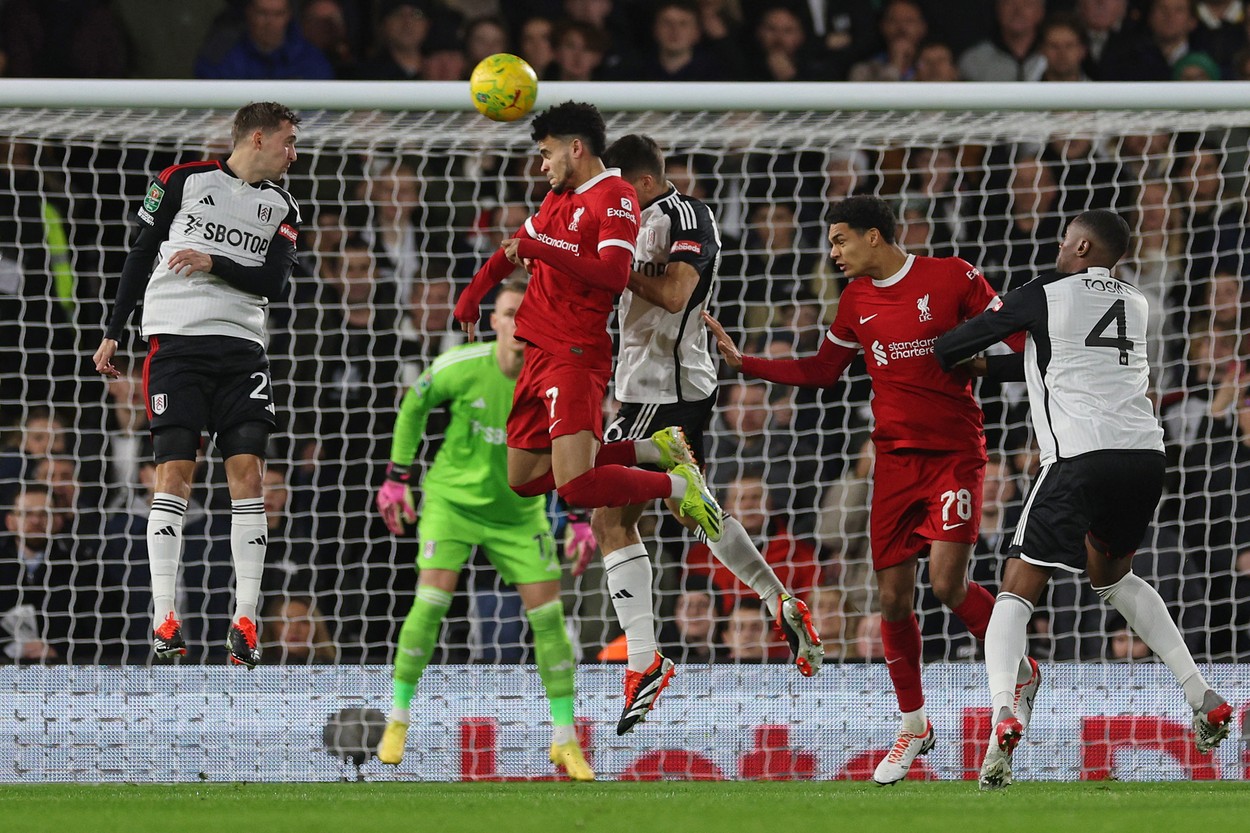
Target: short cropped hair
<point>570,120</point>
<point>863,212</point>
<point>260,115</point>
<point>636,155</point>
<point>1108,228</point>
<point>517,285</point>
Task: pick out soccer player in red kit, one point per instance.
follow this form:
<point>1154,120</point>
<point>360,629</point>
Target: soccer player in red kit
<point>579,248</point>
<point>930,446</point>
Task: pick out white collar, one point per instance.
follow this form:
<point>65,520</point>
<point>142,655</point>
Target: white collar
<point>897,276</point>
<point>593,181</point>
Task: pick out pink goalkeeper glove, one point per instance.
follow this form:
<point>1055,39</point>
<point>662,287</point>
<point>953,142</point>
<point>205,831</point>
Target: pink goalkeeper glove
<point>395,500</point>
<point>579,544</point>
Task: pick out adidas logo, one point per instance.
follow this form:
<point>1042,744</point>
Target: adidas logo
<point>169,530</point>
<point>480,403</point>
<point>259,542</point>
<point>622,594</point>
<point>207,200</point>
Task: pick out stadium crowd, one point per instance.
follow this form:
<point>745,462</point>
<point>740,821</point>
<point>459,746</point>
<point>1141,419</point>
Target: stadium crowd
<point>632,40</point>
<point>388,240</point>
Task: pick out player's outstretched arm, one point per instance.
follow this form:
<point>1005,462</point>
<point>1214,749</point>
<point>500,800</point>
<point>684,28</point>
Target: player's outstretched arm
<point>468,305</point>
<point>819,371</point>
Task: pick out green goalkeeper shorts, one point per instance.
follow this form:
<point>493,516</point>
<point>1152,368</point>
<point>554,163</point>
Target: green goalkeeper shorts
<point>524,553</point>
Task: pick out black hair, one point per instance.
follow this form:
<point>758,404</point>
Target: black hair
<point>1108,229</point>
<point>863,212</point>
<point>572,119</point>
<point>635,154</point>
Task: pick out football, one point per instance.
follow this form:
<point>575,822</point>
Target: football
<point>503,86</point>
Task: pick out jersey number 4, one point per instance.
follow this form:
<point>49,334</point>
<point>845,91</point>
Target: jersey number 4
<point>1097,337</point>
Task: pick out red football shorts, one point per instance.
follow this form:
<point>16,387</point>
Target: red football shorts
<point>923,496</point>
<point>555,398</point>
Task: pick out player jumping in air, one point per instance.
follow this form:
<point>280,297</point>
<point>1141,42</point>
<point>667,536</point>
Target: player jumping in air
<point>665,375</point>
<point>467,503</point>
<point>1102,466</point>
<point>930,447</point>
<point>223,238</point>
<point>579,248</point>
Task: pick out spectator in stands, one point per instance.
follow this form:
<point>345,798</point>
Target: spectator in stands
<point>868,644</point>
<point>1221,29</point>
<point>125,429</point>
<point>81,521</point>
<point>842,528</point>
<point>697,623</point>
<point>579,52</point>
<point>403,28</point>
<point>49,597</point>
<point>1154,265</point>
<point>770,268</point>
<point>1196,66</point>
<point>903,29</point>
<point>834,622</point>
<point>296,632</point>
<point>289,555</point>
<point>1124,646</point>
<point>1239,69</point>
<point>444,59</point>
<point>1024,230</point>
<point>53,40</point>
<point>935,61</point>
<point>325,27</point>
<point>1213,218</point>
<point>784,49</point>
<point>41,434</point>
<point>1012,54</point>
<point>392,198</point>
<point>1062,45</point>
<point>428,329</point>
<point>613,23</point>
<point>676,53</point>
<point>535,44</point>
<point>848,31</point>
<point>932,185</point>
<point>1151,53</point>
<point>1086,180</point>
<point>270,47</point>
<point>1109,34</point>
<point>1206,388</point>
<point>747,633</point>
<point>485,36</point>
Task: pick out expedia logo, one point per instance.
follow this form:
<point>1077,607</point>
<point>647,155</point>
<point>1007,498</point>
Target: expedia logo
<point>617,212</point>
<point>687,246</point>
<point>567,245</point>
<point>245,240</point>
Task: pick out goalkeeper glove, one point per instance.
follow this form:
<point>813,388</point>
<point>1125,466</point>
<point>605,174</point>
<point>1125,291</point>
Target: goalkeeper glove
<point>579,542</point>
<point>395,500</point>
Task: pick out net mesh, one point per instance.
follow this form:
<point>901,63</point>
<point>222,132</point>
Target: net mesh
<point>432,194</point>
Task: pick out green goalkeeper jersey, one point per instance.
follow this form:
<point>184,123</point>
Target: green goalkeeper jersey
<point>470,470</point>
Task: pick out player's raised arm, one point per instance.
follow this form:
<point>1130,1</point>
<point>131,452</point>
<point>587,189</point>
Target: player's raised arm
<point>1016,313</point>
<point>496,268</point>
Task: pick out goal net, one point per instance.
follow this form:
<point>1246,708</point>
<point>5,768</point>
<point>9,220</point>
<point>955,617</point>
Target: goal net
<point>410,203</point>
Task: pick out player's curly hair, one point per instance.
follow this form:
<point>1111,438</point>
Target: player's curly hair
<point>572,119</point>
<point>260,115</point>
<point>863,212</point>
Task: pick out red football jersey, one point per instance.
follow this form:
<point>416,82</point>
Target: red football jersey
<point>562,313</point>
<point>895,321</point>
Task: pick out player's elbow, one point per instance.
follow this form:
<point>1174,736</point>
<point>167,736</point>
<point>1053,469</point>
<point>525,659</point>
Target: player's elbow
<point>672,304</point>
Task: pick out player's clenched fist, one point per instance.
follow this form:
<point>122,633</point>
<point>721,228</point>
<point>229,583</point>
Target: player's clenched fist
<point>728,350</point>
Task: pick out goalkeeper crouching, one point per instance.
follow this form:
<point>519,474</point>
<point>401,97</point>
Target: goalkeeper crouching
<point>467,503</point>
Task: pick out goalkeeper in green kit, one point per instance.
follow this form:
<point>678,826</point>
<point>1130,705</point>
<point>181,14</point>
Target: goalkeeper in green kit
<point>467,503</point>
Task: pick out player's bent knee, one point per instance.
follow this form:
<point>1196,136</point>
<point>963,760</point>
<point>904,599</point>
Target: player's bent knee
<point>583,491</point>
<point>244,438</point>
<point>174,442</point>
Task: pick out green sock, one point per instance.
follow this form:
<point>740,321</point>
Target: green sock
<point>554,654</point>
<point>416,642</point>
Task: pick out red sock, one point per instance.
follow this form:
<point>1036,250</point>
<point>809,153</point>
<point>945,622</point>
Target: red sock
<point>902,654</point>
<point>615,486</point>
<point>620,454</point>
<point>975,610</point>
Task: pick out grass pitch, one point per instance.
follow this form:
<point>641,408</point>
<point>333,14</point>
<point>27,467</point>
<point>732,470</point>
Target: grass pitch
<point>680,807</point>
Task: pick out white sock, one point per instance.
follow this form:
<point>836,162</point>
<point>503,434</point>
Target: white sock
<point>629,584</point>
<point>1005,641</point>
<point>249,537</point>
<point>679,486</point>
<point>915,722</point>
<point>563,734</point>
<point>1143,608</point>
<point>737,551</point>
<point>400,716</point>
<point>646,452</point>
<point>164,551</point>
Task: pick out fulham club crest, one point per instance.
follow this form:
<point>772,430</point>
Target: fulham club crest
<point>264,212</point>
<point>159,403</point>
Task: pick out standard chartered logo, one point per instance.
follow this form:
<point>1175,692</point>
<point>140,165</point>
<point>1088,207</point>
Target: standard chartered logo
<point>488,433</point>
<point>895,350</point>
<point>878,353</point>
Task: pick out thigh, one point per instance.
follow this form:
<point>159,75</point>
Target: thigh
<point>244,391</point>
<point>522,554</point>
<point>1055,519</point>
<point>176,387</point>
<point>1124,492</point>
<point>445,539</point>
<point>953,486</point>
